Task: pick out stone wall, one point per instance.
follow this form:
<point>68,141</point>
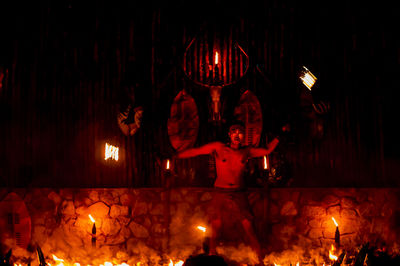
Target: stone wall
<point>150,225</point>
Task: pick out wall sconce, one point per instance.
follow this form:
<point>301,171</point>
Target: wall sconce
<point>111,152</point>
<point>307,78</point>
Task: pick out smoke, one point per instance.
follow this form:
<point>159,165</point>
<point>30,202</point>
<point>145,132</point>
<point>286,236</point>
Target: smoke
<point>242,254</point>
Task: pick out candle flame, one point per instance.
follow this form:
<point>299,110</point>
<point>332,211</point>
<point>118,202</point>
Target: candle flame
<point>333,219</point>
<point>167,166</point>
<point>202,228</point>
<point>111,152</point>
<point>265,163</point>
<point>216,58</point>
<point>331,255</point>
<point>91,218</point>
<point>298,264</point>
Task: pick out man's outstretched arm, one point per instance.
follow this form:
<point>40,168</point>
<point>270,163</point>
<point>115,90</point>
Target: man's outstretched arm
<point>259,152</point>
<point>202,150</point>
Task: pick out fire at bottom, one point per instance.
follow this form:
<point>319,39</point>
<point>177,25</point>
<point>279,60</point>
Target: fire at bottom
<point>242,255</point>
<point>366,255</point>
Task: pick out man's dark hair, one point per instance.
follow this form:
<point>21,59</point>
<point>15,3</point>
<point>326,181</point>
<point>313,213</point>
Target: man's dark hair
<point>235,124</point>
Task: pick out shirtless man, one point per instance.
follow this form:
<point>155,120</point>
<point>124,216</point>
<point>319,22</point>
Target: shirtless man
<point>230,162</point>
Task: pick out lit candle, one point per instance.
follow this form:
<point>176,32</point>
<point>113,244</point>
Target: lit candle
<point>216,66</point>
<point>93,231</point>
<point>337,233</point>
<point>266,165</point>
<point>167,165</point>
<point>206,247</point>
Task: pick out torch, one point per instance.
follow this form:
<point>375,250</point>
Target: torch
<point>93,231</point>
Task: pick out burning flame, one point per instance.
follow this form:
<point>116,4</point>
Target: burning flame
<point>202,228</point>
<point>308,78</point>
<point>179,263</point>
<point>167,166</point>
<point>333,219</point>
<point>331,256</point>
<point>216,58</point>
<point>57,259</point>
<point>265,163</point>
<point>111,152</point>
<point>60,261</point>
<point>91,218</point>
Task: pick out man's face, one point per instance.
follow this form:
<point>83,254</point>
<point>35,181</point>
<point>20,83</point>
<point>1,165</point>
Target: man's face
<point>236,134</point>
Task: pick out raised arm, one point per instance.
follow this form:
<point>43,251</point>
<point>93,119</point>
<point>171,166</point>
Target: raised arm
<point>205,149</point>
<point>259,152</point>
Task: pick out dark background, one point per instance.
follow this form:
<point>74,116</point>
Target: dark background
<point>66,64</point>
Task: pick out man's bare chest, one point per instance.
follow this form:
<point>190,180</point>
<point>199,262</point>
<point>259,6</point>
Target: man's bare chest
<point>231,156</point>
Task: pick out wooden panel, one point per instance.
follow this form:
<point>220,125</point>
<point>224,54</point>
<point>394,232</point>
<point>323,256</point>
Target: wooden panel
<point>65,69</point>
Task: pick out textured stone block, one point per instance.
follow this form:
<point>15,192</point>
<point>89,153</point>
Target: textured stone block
<point>330,200</point>
<point>140,208</point>
<point>138,230</point>
<point>127,199</point>
<point>158,209</point>
<point>54,197</point>
<point>206,196</point>
<point>119,210</point>
<point>313,211</point>
<point>289,209</point>
<point>315,233</point>
<point>94,195</point>
<point>68,208</point>
<point>348,203</point>
<point>110,226</point>
<point>98,210</point>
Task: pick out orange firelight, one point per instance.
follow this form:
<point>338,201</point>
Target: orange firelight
<point>331,255</point>
<point>167,166</point>
<point>59,261</point>
<point>216,58</point>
